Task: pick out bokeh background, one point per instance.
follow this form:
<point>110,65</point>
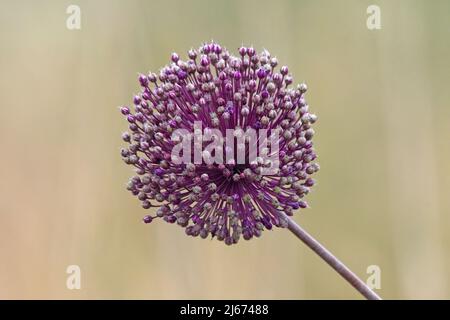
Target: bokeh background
<point>382,197</point>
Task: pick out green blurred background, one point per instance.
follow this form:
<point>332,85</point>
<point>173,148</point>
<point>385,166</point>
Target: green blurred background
<point>382,197</point>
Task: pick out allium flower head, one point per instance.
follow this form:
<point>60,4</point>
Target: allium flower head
<point>220,91</point>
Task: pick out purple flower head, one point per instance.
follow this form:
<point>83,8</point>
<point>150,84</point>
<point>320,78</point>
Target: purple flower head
<point>221,91</point>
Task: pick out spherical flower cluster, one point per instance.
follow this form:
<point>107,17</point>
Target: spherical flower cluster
<point>227,200</point>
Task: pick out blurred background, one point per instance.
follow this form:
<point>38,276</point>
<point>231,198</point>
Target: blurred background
<point>382,97</point>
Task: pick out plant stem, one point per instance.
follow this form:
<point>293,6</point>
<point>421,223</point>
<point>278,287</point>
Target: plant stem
<point>329,258</point>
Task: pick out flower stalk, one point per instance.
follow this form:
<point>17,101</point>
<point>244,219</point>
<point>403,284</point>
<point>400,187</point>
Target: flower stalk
<point>331,260</point>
